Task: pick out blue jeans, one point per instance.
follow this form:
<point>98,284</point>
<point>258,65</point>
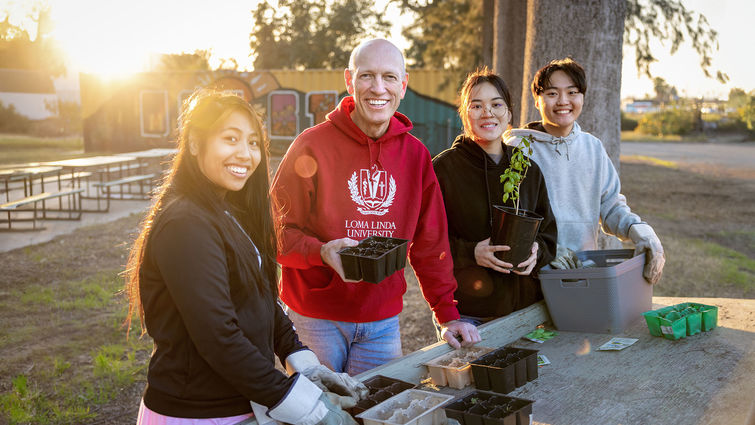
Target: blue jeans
<point>349,347</point>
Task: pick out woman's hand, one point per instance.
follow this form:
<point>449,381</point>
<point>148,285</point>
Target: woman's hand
<point>529,263</point>
<point>484,254</point>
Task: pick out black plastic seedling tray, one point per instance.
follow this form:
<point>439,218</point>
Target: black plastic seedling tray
<point>505,369</point>
<point>488,408</point>
<point>374,259</point>
<point>381,388</point>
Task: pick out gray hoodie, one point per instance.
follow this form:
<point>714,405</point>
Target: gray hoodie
<point>583,186</point>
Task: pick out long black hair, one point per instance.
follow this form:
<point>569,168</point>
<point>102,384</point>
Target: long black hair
<point>484,75</point>
<point>200,115</point>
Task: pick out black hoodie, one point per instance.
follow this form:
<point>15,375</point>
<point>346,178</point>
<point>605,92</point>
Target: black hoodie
<point>470,182</point>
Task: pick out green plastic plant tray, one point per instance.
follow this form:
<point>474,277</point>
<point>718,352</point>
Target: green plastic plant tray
<point>689,319</point>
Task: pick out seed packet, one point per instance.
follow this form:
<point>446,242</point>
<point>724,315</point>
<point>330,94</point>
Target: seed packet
<point>540,335</point>
<point>618,343</point>
<point>542,360</point>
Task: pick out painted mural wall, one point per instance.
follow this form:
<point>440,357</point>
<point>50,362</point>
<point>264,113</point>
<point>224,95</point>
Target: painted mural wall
<point>141,112</point>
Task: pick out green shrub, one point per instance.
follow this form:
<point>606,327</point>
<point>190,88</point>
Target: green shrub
<point>670,121</point>
<point>11,121</point>
<point>627,123</point>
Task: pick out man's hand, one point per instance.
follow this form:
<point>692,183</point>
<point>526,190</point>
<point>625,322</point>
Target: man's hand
<point>329,254</point>
<point>450,331</point>
<point>484,254</point>
<point>529,263</point>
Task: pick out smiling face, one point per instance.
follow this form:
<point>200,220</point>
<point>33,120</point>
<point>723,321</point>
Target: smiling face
<point>559,104</point>
<point>377,81</point>
<point>231,152</point>
<point>488,114</point>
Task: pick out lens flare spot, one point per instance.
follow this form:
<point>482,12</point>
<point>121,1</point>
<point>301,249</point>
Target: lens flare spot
<point>584,348</point>
<point>478,285</point>
<point>305,166</point>
<point>442,255</point>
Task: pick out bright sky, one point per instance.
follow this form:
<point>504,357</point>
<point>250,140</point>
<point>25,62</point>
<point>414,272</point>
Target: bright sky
<point>120,37</point>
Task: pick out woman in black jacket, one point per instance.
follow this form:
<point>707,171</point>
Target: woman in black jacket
<point>469,176</point>
<point>202,276</point>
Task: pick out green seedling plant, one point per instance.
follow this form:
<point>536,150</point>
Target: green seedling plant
<point>513,176</point>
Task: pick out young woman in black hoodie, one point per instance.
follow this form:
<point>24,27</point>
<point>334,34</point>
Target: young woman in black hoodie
<point>202,276</point>
<point>469,176</point>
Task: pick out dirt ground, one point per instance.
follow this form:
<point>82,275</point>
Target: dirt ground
<point>681,205</point>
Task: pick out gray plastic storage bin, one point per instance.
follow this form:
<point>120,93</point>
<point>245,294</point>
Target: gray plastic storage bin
<point>602,299</point>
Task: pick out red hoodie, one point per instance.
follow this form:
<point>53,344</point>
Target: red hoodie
<point>337,182</point>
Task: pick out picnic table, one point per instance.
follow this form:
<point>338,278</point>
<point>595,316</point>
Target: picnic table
<point>111,171</point>
<point>27,175</point>
<point>706,378</point>
<point>25,206</point>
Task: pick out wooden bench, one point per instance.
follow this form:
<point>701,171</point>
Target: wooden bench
<point>72,208</point>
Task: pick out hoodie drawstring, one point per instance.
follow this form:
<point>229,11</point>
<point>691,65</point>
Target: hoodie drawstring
<point>560,140</point>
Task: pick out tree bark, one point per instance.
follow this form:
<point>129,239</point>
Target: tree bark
<point>508,48</point>
<point>488,7</point>
<point>591,32</point>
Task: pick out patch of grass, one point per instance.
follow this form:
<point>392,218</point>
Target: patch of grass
<point>650,160</point>
<point>736,268</point>
<point>634,136</point>
<point>72,392</point>
<point>17,149</point>
<point>716,271</point>
<point>91,292</point>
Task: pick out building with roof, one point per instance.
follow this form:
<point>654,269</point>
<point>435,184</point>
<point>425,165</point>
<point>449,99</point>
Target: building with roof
<point>32,93</point>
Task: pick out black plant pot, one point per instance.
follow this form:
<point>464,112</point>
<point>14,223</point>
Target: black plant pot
<point>374,259</point>
<point>514,230</point>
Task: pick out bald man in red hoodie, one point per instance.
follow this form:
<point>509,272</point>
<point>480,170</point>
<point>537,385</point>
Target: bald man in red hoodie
<point>360,173</point>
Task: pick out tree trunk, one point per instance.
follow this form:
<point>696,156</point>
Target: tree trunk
<point>488,6</point>
<point>591,32</point>
<point>508,47</point>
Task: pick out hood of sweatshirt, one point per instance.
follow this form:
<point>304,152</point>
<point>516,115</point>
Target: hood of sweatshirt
<point>476,156</point>
<point>537,132</point>
<point>341,119</point>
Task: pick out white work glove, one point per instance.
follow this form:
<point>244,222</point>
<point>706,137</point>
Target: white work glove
<point>645,240</point>
<point>346,391</point>
<point>306,404</point>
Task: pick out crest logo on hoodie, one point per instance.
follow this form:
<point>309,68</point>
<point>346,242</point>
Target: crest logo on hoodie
<point>373,190</point>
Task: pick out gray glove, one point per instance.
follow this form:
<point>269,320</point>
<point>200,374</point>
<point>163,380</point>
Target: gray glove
<point>349,390</point>
<point>335,416</point>
<point>565,259</point>
<point>645,240</point>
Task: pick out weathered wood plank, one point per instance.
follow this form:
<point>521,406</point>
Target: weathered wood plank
<point>495,333</point>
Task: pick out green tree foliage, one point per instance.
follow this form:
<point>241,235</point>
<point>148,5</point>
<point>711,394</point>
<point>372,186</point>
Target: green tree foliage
<point>737,98</point>
<point>311,34</point>
<point>747,112</point>
<point>676,120</point>
<point>447,33</point>
<point>664,92</point>
<point>11,121</point>
<point>197,61</point>
<point>20,50</point>
<point>668,20</point>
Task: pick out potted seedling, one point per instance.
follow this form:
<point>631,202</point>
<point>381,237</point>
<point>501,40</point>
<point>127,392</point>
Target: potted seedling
<point>515,227</point>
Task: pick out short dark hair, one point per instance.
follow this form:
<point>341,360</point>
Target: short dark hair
<point>475,78</point>
<point>542,79</point>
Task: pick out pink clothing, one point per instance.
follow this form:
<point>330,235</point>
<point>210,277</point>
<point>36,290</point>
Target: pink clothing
<point>337,182</point>
<point>148,417</point>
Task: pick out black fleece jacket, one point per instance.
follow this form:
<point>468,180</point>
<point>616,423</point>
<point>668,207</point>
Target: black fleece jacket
<point>215,338</point>
<point>470,182</point>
